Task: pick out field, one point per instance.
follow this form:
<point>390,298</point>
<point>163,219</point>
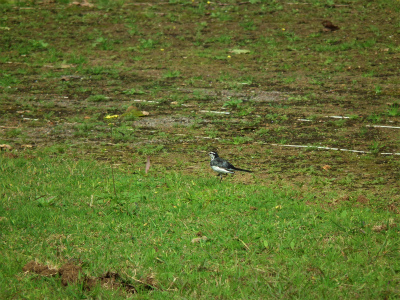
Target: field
<point>109,108</point>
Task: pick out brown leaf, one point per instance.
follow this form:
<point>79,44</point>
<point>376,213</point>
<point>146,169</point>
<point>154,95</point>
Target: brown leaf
<point>85,3</point>
<point>5,147</point>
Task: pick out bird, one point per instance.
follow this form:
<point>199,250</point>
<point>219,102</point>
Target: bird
<point>222,166</point>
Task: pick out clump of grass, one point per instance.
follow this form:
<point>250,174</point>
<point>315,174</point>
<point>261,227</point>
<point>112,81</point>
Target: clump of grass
<point>394,110</point>
<point>150,149</point>
<point>233,103</point>
<point>133,91</point>
<point>97,98</point>
<point>12,133</point>
<point>172,74</point>
<point>376,147</point>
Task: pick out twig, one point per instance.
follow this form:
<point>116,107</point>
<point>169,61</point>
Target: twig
<point>169,287</point>
<point>247,247</point>
<point>142,282</point>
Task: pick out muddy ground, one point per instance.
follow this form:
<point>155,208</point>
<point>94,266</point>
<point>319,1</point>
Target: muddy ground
<point>262,82</point>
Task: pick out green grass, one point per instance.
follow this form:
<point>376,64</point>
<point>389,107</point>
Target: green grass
<point>293,230</point>
<point>261,242</point>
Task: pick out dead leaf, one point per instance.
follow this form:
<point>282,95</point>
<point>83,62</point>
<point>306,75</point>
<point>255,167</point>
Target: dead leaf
<point>326,167</point>
<point>83,4</point>
<point>27,146</point>
<point>145,113</point>
<point>5,147</point>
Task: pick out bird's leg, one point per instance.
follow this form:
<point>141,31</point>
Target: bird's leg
<point>220,175</point>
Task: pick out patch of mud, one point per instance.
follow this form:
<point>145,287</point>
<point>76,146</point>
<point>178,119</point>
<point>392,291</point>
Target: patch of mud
<point>71,274</point>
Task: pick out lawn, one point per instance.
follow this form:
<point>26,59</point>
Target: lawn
<point>92,91</point>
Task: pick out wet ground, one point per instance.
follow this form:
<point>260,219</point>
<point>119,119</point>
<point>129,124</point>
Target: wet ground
<point>264,83</point>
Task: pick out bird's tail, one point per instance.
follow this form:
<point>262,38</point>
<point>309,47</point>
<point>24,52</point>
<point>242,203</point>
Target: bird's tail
<point>243,170</point>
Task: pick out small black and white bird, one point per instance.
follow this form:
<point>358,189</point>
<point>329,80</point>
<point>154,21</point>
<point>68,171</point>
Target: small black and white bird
<point>222,166</point>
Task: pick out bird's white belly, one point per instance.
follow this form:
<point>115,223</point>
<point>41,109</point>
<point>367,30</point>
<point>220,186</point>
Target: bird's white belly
<point>221,170</point>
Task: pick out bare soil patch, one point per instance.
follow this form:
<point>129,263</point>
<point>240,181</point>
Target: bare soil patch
<point>246,79</point>
<point>71,273</point>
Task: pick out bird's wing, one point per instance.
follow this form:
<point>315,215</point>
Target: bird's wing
<point>225,164</point>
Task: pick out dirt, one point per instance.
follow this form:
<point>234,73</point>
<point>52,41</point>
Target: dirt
<point>70,273</point>
<point>296,87</point>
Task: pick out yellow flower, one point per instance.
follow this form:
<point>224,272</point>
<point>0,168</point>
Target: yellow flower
<point>111,117</point>
<point>229,56</point>
<point>162,49</point>
<point>283,29</point>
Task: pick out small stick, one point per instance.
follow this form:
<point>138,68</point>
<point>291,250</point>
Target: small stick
<point>247,247</point>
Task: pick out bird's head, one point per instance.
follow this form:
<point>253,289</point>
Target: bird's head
<point>213,154</point>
